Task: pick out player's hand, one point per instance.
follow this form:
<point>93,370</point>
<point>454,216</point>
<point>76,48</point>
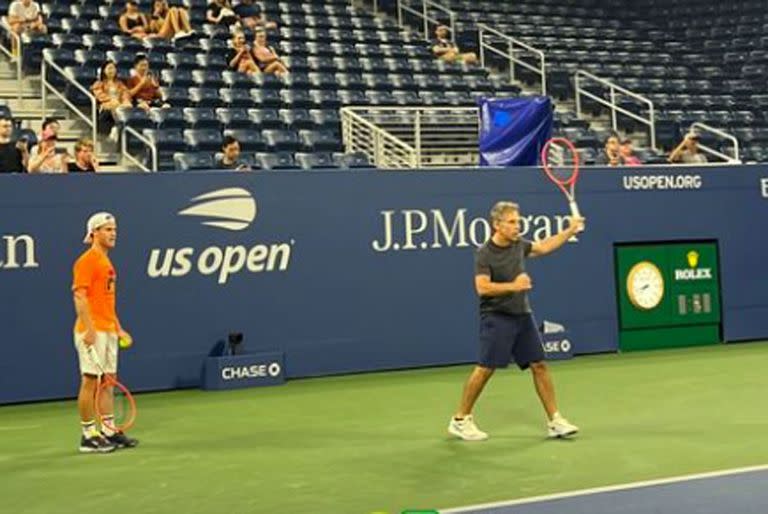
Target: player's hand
<point>576,224</point>
<point>90,337</point>
<point>522,282</point>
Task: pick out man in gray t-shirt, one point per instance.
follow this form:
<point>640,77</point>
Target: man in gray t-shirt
<point>507,327</point>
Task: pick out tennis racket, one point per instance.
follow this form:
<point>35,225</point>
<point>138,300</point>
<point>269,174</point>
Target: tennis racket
<point>124,406</point>
<point>560,161</point>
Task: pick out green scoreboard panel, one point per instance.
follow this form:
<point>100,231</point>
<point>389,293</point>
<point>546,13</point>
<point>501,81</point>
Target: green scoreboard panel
<point>668,294</point>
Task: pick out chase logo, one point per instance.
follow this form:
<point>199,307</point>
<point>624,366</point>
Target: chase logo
<point>230,209</point>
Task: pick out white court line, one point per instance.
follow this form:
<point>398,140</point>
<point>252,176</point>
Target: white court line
<point>606,489</point>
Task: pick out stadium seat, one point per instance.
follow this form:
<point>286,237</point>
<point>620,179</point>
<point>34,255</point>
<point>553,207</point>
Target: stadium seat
<point>314,161</point>
<point>276,161</point>
<point>201,140</point>
<point>250,140</point>
<point>188,161</point>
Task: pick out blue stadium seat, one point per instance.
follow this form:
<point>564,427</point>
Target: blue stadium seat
<point>176,78</point>
<point>189,161</point>
<point>234,118</point>
<point>250,140</point>
<point>201,140</point>
<point>201,117</point>
<point>205,97</point>
<point>296,119</point>
<point>236,97</point>
<point>315,161</point>
<point>135,118</point>
<point>319,141</point>
<point>354,160</point>
<point>281,140</point>
<point>265,119</point>
<point>237,80</point>
<point>168,118</point>
<point>276,161</point>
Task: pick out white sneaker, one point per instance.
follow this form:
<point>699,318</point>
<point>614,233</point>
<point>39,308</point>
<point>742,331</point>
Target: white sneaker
<point>561,427</point>
<point>466,429</point>
<point>114,135</point>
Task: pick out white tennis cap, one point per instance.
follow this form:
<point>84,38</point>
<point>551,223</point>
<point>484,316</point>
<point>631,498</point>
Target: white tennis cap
<point>95,222</point>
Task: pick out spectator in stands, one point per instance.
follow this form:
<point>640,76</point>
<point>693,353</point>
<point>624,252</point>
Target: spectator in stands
<point>169,22</point>
<point>133,21</point>
<point>111,93</point>
<point>612,153</point>
<point>240,57</point>
<point>251,15</point>
<point>143,87</point>
<point>266,57</point>
<point>84,158</point>
<point>627,154</point>
<point>446,50</point>
<point>50,125</point>
<point>220,12</point>
<point>230,156</point>
<point>687,152</point>
<point>25,16</point>
<point>46,158</point>
<point>14,156</point>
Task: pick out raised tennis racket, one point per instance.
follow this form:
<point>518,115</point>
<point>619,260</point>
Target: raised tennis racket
<point>560,161</point>
<point>124,406</point>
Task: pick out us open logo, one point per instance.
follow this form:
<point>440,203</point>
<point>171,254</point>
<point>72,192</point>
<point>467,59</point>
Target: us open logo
<point>230,209</point>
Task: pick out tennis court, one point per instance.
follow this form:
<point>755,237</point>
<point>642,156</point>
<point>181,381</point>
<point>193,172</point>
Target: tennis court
<point>377,442</point>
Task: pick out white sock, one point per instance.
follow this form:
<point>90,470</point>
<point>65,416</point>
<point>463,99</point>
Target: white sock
<point>107,424</point>
<point>89,428</point>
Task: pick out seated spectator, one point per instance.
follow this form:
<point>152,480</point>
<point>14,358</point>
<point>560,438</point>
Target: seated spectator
<point>687,152</point>
<point>143,87</point>
<point>169,22</point>
<point>627,154</point>
<point>251,15</point>
<point>84,158</point>
<point>230,156</point>
<point>266,57</point>
<point>111,94</point>
<point>220,12</point>
<point>133,21</point>
<point>14,157</point>
<point>240,57</point>
<point>50,125</point>
<point>611,155</point>
<point>46,158</point>
<point>446,50</point>
<point>25,16</point>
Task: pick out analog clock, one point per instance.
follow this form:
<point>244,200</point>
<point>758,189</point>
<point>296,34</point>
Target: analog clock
<point>645,285</point>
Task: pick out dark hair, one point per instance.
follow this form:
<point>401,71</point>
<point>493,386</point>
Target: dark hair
<point>48,121</point>
<point>104,67</point>
<point>5,117</point>
<point>139,58</point>
<point>228,140</point>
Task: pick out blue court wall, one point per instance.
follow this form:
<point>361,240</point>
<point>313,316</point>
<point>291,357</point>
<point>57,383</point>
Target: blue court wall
<point>343,271</point>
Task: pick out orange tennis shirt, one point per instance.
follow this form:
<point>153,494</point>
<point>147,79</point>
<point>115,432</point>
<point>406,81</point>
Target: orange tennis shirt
<point>94,272</point>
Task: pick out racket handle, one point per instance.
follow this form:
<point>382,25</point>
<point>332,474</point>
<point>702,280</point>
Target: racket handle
<point>575,212</point>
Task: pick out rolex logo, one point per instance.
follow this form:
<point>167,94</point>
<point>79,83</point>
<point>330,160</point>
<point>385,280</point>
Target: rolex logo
<point>693,258</point>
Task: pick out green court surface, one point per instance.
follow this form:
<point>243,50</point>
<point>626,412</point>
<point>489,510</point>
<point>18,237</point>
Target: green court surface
<point>377,442</point>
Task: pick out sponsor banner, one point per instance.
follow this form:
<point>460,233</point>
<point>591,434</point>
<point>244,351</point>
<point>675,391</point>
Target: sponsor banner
<point>340,271</point>
<point>764,187</point>
<point>662,182</point>
<point>557,346</point>
<point>239,371</point>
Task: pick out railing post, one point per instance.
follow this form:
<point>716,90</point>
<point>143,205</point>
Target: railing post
<point>652,113</point>
<point>399,14</point>
<point>577,87</point>
<point>417,136</point>
<point>480,38</point>
<point>614,123</point>
<point>19,62</point>
<point>510,51</point>
<point>43,88</point>
<point>543,75</point>
<point>452,17</point>
<point>95,121</point>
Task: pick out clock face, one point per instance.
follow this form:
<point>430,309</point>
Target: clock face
<point>645,285</point>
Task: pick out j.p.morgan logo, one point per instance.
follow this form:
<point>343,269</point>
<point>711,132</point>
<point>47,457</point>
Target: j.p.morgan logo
<point>764,187</point>
<point>231,209</point>
<point>415,229</point>
<point>17,252</point>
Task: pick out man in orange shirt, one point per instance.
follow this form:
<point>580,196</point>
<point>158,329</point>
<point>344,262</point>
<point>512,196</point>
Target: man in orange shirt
<point>98,330</point>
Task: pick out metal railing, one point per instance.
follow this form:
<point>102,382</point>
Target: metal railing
<point>92,120</point>
<point>382,148</point>
<point>731,159</point>
<point>515,50</point>
<point>411,7</point>
<point>127,132</point>
<point>614,91</point>
<point>14,57</point>
<point>413,137</point>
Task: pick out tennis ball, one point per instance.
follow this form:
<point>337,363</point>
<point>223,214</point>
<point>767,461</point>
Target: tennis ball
<point>125,342</point>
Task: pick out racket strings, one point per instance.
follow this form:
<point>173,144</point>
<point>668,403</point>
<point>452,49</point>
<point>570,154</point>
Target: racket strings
<point>562,162</point>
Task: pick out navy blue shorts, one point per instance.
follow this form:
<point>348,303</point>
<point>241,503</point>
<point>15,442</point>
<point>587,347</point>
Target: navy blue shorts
<point>504,336</point>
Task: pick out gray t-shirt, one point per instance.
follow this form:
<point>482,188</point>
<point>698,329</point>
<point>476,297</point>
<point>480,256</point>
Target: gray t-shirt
<point>503,264</point>
<point>693,158</point>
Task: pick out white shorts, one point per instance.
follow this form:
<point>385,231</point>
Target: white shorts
<point>105,349</point>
